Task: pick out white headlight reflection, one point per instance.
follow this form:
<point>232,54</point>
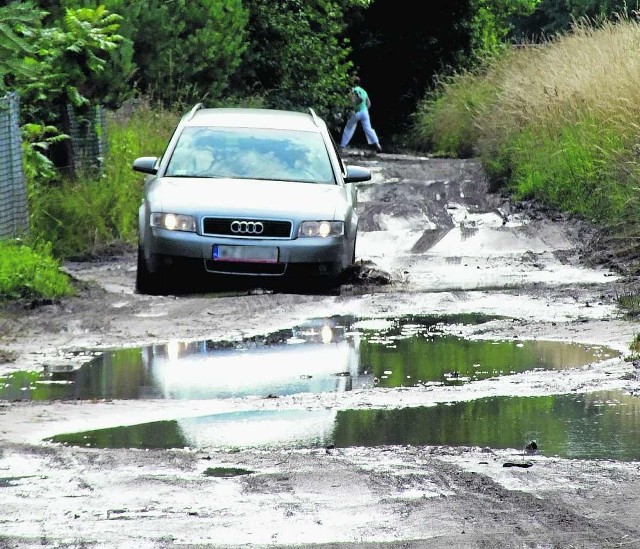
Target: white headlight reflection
<point>262,428</point>
<point>327,334</point>
<point>173,350</point>
<point>173,222</point>
<point>198,373</point>
<point>321,228</point>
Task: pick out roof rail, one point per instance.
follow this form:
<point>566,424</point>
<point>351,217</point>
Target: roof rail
<point>195,108</point>
<point>316,120</point>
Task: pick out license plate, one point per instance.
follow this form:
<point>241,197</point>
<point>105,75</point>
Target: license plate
<point>245,254</point>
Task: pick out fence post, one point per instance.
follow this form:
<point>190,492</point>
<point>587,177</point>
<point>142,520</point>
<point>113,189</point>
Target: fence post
<point>14,215</point>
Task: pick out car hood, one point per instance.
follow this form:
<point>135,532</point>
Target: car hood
<point>247,197</point>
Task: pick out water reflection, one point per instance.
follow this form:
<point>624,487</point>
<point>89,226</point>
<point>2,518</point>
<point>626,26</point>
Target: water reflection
<point>252,429</point>
<point>323,355</point>
<point>313,357</point>
<point>196,373</point>
<point>599,425</point>
<point>449,360</point>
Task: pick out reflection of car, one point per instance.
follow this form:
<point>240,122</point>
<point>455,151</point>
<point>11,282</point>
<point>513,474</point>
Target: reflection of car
<point>259,429</point>
<point>253,192</point>
<point>316,357</point>
<point>190,371</point>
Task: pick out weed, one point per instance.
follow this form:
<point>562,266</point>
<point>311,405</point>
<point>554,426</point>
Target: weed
<point>630,303</point>
<point>225,472</point>
<point>635,346</point>
<point>7,356</point>
<point>27,272</point>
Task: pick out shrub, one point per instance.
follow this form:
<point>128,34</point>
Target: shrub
<point>27,272</point>
<point>445,121</point>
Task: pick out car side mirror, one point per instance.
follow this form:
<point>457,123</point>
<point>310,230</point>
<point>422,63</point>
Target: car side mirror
<point>146,164</point>
<point>355,174</point>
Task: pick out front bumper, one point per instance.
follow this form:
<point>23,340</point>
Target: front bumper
<point>315,255</point>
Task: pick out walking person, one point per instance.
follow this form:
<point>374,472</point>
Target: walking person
<point>362,104</point>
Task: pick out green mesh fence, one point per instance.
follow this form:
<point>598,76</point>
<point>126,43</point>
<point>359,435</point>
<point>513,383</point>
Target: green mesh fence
<point>14,218</point>
<point>88,139</point>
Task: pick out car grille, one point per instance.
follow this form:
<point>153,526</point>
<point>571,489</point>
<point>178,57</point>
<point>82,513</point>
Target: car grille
<point>221,226</point>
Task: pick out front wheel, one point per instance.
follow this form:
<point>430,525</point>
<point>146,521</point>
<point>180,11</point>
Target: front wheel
<point>146,281</point>
<point>353,256</point>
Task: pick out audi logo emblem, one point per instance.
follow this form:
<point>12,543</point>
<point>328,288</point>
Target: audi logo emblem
<point>247,227</point>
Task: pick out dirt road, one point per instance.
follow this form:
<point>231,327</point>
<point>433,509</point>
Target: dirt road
<point>429,227</point>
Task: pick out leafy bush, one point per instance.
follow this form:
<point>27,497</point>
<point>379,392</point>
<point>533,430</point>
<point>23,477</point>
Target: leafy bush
<point>184,51</point>
<point>27,272</point>
<point>297,58</point>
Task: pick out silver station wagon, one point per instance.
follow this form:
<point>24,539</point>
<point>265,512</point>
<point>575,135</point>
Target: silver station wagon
<point>247,193</point>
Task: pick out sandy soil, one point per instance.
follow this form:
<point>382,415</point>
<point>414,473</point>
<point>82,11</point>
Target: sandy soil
<point>432,241</point>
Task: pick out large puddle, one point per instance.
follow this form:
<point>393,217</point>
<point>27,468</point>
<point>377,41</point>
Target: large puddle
<point>343,354</point>
<point>324,355</point>
<point>600,425</point>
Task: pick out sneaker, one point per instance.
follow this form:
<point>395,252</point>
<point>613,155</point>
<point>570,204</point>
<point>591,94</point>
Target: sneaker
<point>378,147</point>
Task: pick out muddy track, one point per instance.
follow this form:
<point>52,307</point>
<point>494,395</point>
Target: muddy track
<point>433,240</point>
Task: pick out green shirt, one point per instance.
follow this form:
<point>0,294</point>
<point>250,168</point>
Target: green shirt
<point>360,99</point>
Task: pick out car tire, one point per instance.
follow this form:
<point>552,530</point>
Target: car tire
<point>353,256</point>
<point>146,281</point>
<point>346,274</point>
<point>329,284</point>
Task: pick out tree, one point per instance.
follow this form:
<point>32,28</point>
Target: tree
<point>186,51</point>
<point>16,51</point>
<point>491,23</point>
<point>556,16</point>
<point>178,52</point>
<point>64,62</point>
<point>298,56</point>
<point>58,71</point>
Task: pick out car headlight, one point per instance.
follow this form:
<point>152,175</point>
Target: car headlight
<point>173,222</point>
<point>321,228</point>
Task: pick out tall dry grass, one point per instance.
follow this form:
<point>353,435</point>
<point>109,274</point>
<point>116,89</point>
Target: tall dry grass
<point>557,121</point>
<point>592,72</point>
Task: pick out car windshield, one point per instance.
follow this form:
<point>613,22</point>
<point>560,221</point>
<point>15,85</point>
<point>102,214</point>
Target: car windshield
<point>250,153</point>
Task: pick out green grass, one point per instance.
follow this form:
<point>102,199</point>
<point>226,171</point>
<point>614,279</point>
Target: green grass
<point>27,272</point>
<point>444,121</point>
<point>575,170</point>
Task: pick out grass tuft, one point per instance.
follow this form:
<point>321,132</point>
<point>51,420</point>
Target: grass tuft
<point>27,272</point>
